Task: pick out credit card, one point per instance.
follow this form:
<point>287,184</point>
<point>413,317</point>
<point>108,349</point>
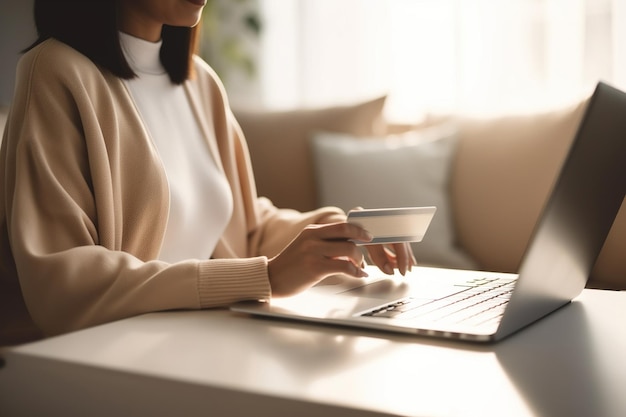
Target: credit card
<point>393,225</point>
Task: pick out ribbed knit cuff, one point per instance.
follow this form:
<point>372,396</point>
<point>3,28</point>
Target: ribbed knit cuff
<point>224,281</point>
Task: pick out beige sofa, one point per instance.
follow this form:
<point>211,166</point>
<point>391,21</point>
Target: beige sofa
<point>492,179</point>
<point>497,175</point>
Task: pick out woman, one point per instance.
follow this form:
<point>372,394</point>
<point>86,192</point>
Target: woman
<point>126,184</point>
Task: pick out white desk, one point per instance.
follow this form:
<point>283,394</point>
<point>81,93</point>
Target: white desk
<point>221,364</point>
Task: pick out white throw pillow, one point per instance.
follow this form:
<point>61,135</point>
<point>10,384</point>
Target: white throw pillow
<point>410,169</point>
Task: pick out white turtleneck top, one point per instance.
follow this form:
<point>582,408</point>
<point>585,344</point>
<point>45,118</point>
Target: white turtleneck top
<point>200,198</point>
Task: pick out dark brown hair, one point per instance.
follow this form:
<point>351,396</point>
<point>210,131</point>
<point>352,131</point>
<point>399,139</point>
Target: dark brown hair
<point>91,27</point>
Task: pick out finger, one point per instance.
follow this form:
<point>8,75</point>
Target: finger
<point>340,231</point>
<point>381,258</point>
<point>403,257</point>
<point>413,261</point>
<point>345,250</point>
<point>344,266</point>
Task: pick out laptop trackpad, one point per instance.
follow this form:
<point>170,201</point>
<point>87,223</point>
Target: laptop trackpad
<point>385,289</point>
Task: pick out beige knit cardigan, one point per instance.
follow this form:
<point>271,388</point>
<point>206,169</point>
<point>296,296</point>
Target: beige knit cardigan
<point>84,203</point>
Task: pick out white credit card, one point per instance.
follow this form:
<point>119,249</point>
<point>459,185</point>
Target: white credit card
<point>393,225</point>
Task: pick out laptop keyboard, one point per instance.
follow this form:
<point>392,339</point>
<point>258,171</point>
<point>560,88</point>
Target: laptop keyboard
<point>479,301</point>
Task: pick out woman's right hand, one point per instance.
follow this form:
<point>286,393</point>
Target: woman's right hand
<point>318,251</point>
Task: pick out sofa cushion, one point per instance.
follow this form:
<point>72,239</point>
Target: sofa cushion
<point>280,151</point>
<point>410,169</point>
<point>505,170</point>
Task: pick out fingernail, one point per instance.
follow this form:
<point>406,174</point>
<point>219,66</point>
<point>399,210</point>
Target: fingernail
<point>387,269</point>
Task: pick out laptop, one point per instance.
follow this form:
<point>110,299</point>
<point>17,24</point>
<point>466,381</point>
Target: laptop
<point>482,306</point>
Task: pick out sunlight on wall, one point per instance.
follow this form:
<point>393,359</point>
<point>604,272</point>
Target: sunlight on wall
<point>480,56</point>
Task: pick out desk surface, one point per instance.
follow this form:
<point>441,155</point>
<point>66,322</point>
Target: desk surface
<point>221,363</point>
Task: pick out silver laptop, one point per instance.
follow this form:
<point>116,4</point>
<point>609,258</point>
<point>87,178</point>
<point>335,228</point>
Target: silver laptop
<point>488,306</point>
